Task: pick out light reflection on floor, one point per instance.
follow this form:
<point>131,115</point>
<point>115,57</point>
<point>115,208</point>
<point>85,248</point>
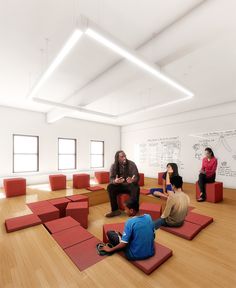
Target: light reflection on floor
<point>2,195</point>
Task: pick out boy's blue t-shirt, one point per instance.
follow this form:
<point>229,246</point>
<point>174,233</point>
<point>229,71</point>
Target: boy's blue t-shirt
<point>139,233</point>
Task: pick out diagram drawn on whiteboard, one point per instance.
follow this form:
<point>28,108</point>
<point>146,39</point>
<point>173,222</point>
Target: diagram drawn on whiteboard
<point>223,144</point>
<point>157,152</point>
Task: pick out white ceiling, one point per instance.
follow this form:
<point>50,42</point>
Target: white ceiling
<point>193,41</point>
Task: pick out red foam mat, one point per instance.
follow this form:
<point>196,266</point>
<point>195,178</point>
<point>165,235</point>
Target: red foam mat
<point>18,223</point>
<point>84,254</point>
<point>199,219</point>
<point>95,188</point>
<point>119,227</point>
<point>71,236</point>
<point>162,253</point>
<point>187,231</point>
<point>61,224</point>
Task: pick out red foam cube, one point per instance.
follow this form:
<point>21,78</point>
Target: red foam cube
<point>160,179</point>
<point>78,198</point>
<point>141,179</point>
<point>102,177</point>
<point>14,187</point>
<point>61,204</point>
<point>144,191</point>
<point>18,223</point>
<point>81,181</point>
<point>78,211</point>
<point>46,213</point>
<point>121,199</point>
<point>57,182</point>
<point>214,192</point>
<point>153,209</point>
<point>38,204</point>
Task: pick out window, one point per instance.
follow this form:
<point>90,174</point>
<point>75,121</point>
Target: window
<point>25,153</point>
<point>66,154</point>
<point>97,154</point>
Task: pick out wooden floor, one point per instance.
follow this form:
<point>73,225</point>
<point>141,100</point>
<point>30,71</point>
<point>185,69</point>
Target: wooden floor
<point>31,258</point>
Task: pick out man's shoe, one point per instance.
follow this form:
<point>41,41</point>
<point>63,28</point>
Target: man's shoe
<point>201,199</point>
<point>113,214</point>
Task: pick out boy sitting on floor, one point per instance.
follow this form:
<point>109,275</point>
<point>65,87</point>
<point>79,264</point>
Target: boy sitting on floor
<point>176,206</point>
<point>137,240</point>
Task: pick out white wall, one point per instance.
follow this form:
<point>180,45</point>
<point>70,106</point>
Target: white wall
<point>182,126</point>
<point>14,121</point>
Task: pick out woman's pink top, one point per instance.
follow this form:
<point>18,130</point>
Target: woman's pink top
<point>209,166</point>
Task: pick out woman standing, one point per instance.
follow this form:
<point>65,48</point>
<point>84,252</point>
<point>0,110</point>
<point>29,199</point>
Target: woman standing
<point>207,172</point>
<point>172,170</point>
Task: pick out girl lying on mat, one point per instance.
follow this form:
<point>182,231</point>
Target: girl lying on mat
<point>137,240</point>
<point>171,171</point>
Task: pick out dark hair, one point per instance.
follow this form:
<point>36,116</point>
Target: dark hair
<point>132,204</point>
<point>116,164</point>
<point>174,168</point>
<point>209,150</point>
<point>177,181</point>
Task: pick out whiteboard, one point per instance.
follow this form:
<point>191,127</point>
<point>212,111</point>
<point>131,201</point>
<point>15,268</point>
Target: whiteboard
<point>185,148</point>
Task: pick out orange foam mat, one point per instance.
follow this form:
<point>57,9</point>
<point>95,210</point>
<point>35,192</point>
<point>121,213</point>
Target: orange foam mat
<point>84,254</point>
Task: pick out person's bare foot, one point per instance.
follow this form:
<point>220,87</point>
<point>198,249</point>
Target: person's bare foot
<point>113,214</point>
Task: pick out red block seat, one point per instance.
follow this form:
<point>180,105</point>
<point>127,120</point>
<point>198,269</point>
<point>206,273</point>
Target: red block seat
<point>153,209</point>
<point>18,223</point>
<point>46,213</point>
<point>159,178</point>
<point>144,191</point>
<point>162,253</point>
<point>141,179</point>
<point>84,254</point>
<point>102,177</point>
<point>57,182</point>
<point>14,187</point>
<point>81,181</point>
<point>199,219</point>
<point>71,236</point>
<point>61,224</point>
<point>79,211</point>
<point>187,231</point>
<point>121,199</point>
<point>61,204</point>
<point>38,204</point>
<point>214,192</point>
